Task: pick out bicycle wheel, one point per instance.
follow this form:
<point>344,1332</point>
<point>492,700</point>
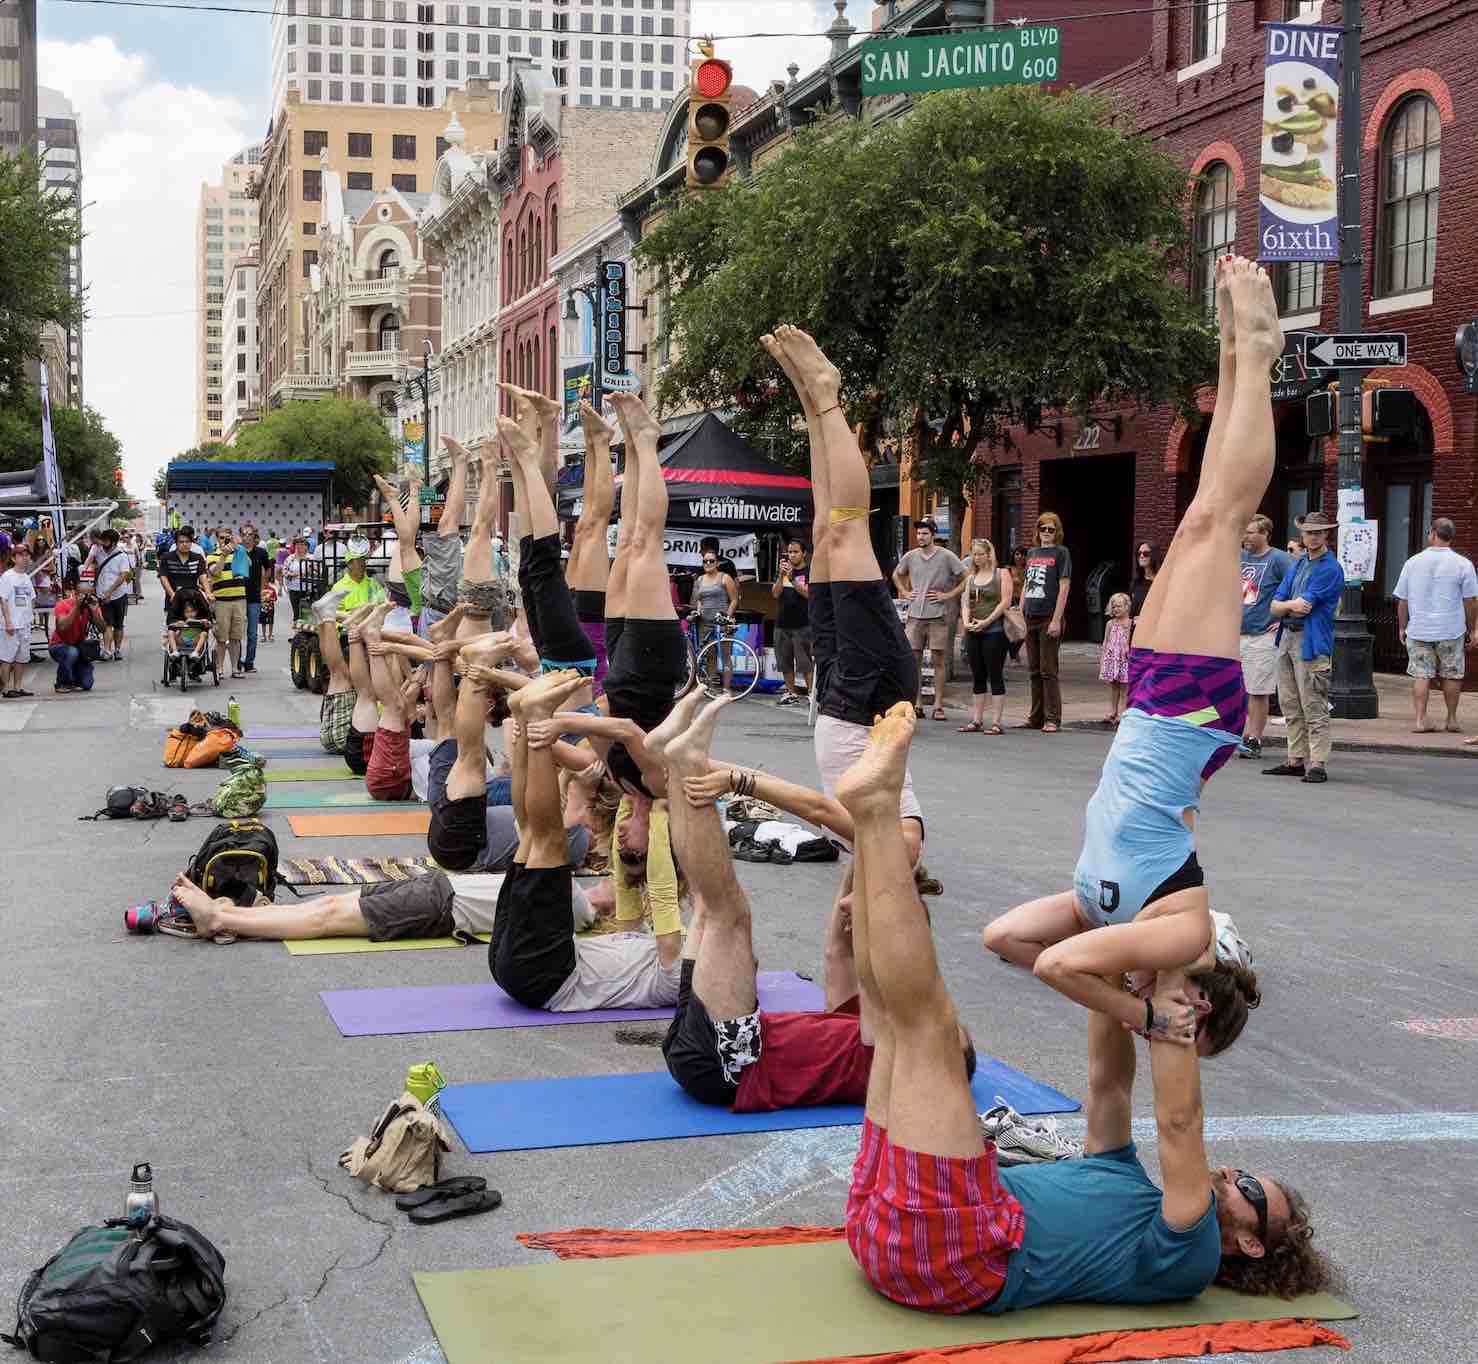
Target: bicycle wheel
<point>742,659</point>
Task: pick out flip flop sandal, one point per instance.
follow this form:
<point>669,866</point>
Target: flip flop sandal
<point>453,1187</point>
<point>939,715</point>
<point>994,729</point>
<point>179,809</point>
<point>467,1205</point>
<point>971,728</point>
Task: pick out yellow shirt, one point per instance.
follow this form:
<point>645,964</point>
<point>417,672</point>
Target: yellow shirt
<point>360,593</point>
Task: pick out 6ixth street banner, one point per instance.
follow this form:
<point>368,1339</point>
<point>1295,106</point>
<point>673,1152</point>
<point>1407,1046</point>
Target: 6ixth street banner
<point>956,61</point>
<point>1299,219</point>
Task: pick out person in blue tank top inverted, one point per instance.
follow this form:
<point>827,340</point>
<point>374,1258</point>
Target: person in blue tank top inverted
<point>1139,901</point>
<point>932,1219</point>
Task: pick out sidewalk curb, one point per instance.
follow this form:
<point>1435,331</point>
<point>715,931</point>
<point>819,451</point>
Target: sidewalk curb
<point>1339,745</point>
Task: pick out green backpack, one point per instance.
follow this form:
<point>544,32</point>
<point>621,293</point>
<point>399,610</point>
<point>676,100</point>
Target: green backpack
<point>242,794</point>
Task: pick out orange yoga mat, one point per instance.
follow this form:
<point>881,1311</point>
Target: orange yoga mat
<point>1108,1347</point>
<point>351,826</point>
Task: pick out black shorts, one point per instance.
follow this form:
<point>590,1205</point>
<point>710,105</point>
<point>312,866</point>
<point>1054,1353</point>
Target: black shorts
<point>1188,877</point>
<point>691,1048</point>
<point>590,606</point>
<point>459,831</point>
<point>354,754</point>
<point>549,607</point>
<point>870,664</point>
<point>648,664</point>
<point>418,908</point>
<point>114,612</point>
<point>532,950</point>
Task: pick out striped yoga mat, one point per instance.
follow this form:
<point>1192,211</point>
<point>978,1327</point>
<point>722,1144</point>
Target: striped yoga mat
<point>352,871</point>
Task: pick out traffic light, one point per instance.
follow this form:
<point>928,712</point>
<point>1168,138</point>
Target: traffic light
<point>117,476</point>
<point>710,88</point>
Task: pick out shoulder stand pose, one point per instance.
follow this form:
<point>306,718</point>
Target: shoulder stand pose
<point>1138,885</point>
<point>589,568</point>
<point>442,550</point>
<point>936,1224</point>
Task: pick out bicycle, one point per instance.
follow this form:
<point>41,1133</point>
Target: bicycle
<point>741,655</point>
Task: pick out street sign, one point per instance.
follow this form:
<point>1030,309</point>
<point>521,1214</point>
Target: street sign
<point>625,382</point>
<point>1292,376</point>
<point>613,321</point>
<point>1355,352</point>
<point>956,61</point>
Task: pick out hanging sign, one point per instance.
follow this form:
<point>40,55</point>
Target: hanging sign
<point>1300,133</point>
<point>958,61</point>
<point>613,321</point>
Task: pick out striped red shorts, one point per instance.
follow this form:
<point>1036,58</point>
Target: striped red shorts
<point>932,1232</point>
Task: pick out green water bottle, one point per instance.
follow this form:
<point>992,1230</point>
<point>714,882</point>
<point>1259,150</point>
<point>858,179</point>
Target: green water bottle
<point>233,711</point>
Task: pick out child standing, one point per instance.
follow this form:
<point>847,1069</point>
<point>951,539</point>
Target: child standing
<point>1113,660</point>
<point>268,617</point>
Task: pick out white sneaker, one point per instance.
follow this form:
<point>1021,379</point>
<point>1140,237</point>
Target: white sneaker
<point>327,606</point>
<point>1025,1141</point>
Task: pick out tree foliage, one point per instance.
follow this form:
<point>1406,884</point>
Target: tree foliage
<point>87,453</point>
<point>350,432</point>
<point>989,253</point>
<point>38,229</point>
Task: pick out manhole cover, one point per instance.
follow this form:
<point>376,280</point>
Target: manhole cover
<point>1464,1029</point>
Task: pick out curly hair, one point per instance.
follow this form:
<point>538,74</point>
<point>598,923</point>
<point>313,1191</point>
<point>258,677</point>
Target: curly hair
<point>1292,1265</point>
<point>1233,992</point>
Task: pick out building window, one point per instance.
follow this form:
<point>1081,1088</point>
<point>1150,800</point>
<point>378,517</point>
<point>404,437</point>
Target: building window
<point>406,184</point>
<point>314,141</point>
<point>389,264</point>
<point>241,388</point>
<point>1299,286</point>
<point>553,355</point>
<point>403,146</point>
<point>360,180</point>
<point>361,144</point>
<point>312,186</point>
<point>554,229</point>
<point>310,259</point>
<point>1410,165</point>
<point>426,97</point>
<point>1215,230</point>
<point>1295,10</point>
<point>1208,28</point>
<point>389,333</point>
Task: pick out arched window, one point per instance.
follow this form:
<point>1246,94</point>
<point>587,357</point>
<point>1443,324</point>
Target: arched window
<point>508,269</point>
<point>1411,154</point>
<point>554,229</point>
<point>389,266</point>
<point>538,251</point>
<point>553,364</point>
<point>536,369</point>
<point>389,332</point>
<point>1215,230</point>
<point>523,259</point>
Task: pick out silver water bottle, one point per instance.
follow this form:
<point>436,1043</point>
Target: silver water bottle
<point>142,1202</point>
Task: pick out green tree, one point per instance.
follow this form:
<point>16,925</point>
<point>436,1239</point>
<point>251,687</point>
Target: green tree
<point>87,453</point>
<point>212,449</point>
<point>989,253</point>
<point>38,230</point>
<point>350,432</point>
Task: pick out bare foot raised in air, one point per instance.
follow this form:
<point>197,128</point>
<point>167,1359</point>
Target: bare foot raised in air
<point>687,755</point>
<point>495,679</point>
<point>810,365</point>
<point>201,908</point>
<point>874,783</point>
<point>446,627</point>
<point>488,651</point>
<point>521,438</point>
<point>1255,314</point>
<point>677,721</point>
<point>1226,315</point>
<point>544,695</point>
<point>777,353</point>
<point>638,424</point>
<point>598,431</point>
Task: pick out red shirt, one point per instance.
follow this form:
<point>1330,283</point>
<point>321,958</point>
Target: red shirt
<point>807,1060</point>
<point>72,629</point>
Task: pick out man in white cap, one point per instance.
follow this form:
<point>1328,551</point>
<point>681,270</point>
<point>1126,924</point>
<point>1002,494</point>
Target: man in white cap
<point>358,587</point>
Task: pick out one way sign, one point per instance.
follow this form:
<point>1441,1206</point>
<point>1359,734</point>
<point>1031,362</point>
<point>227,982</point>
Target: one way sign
<point>1355,352</point>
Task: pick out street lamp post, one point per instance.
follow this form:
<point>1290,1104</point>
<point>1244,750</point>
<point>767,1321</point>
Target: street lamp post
<point>426,354</point>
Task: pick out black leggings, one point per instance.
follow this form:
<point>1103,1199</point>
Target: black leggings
<point>549,607</point>
<point>863,660</point>
<point>986,650</point>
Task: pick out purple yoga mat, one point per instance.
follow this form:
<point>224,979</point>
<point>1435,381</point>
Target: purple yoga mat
<point>470,1008</point>
<point>282,732</point>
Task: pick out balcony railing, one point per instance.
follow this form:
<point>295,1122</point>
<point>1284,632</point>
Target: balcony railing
<point>295,387</point>
<point>365,363</point>
<point>388,288</point>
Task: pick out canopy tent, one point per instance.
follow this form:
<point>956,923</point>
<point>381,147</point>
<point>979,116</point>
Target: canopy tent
<point>716,481</point>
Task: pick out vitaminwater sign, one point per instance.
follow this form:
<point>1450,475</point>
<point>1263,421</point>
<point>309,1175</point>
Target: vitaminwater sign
<point>1299,218</point>
<point>958,61</point>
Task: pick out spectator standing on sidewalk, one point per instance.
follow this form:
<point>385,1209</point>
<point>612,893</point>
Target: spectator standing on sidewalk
<point>793,622</point>
<point>1017,570</point>
<point>259,563</point>
<point>1436,615</point>
<point>1147,561</point>
<point>929,577</point>
<point>1304,605</point>
<point>17,599</point>
<point>114,573</point>
<point>1263,571</point>
<point>983,619</point>
<point>1049,572</point>
<point>293,576</point>
<point>228,568</point>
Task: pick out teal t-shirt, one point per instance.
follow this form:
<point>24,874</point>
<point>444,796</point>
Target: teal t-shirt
<point>1094,1233</point>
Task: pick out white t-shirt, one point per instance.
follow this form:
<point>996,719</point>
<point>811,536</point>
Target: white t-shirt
<point>474,900</point>
<point>421,768</point>
<point>111,568</point>
<point>617,971</point>
<point>19,594</point>
<point>1434,584</point>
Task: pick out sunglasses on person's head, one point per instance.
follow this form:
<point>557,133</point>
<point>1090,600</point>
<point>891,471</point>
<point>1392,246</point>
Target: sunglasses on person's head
<point>1250,1189</point>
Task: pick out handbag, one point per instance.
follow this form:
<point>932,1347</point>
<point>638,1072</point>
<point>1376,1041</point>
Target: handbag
<point>1015,624</point>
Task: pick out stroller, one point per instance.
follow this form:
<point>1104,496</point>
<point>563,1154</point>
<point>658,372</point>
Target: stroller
<point>189,645</point>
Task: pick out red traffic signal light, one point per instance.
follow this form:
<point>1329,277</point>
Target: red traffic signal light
<point>712,78</point>
<point>118,477</point>
<point>711,84</point>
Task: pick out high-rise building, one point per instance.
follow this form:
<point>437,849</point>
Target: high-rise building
<point>17,76</point>
<point>226,227</point>
<point>398,53</point>
<point>60,150</point>
<point>372,150</point>
<point>241,378</point>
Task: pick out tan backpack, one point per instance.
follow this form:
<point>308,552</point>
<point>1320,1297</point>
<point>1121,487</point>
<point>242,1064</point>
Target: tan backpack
<point>403,1151</point>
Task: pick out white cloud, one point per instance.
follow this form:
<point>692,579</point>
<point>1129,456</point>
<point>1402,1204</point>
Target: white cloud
<point>758,61</point>
<point>146,147</point>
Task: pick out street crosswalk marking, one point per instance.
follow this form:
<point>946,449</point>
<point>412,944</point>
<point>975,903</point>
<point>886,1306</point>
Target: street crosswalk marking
<point>14,714</point>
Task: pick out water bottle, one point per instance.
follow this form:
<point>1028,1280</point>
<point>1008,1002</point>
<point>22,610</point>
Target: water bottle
<point>233,711</point>
<point>142,1202</point>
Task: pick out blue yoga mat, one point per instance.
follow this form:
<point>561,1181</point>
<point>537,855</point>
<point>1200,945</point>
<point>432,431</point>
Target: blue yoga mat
<point>601,1110</point>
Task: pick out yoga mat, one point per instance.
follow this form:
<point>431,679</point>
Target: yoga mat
<point>276,754</point>
<point>342,800</point>
<point>414,821</point>
<point>470,1008</point>
<point>339,773</point>
<point>282,732</point>
<point>351,871</point>
<point>756,1305</point>
<point>597,1110</point>
<point>328,947</point>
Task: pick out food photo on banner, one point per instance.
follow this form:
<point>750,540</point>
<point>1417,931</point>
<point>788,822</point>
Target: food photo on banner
<point>1299,218</point>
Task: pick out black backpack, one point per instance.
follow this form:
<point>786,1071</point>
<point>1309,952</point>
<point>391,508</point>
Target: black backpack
<point>114,1292</point>
<point>132,802</point>
<point>237,859</point>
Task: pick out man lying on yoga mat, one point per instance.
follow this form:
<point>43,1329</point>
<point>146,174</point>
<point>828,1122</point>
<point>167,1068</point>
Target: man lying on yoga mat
<point>533,954</point>
<point>931,1218</point>
<point>864,663</point>
<point>721,1047</point>
<point>1139,899</point>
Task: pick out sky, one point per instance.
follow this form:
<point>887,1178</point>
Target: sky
<point>165,98</point>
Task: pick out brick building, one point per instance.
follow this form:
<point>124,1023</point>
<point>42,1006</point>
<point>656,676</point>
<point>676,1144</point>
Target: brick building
<point>1197,89</point>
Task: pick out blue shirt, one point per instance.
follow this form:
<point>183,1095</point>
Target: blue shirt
<point>1323,582</point>
<point>1135,834</point>
<point>1262,575</point>
<point>1095,1233</point>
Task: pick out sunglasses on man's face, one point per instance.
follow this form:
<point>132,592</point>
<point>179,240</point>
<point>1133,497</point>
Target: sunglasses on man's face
<point>1250,1189</point>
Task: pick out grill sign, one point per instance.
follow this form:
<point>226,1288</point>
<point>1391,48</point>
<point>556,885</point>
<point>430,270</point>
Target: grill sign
<point>613,321</point>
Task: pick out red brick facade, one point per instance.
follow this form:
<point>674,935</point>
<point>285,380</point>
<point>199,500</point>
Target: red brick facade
<point>1134,483</point>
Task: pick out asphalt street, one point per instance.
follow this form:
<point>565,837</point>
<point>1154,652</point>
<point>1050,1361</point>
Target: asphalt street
<point>220,1065</point>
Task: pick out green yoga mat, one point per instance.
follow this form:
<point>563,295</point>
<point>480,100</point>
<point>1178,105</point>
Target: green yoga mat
<point>351,800</point>
<point>339,773</point>
<point>757,1305</point>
